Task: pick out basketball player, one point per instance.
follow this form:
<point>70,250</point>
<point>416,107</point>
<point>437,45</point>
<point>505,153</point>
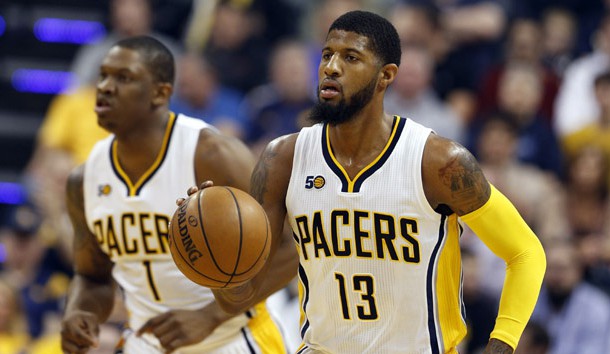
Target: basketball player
<point>120,202</point>
<point>374,202</point>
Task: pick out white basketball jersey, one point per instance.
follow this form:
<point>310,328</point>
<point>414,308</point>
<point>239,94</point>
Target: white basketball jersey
<point>130,221</point>
<point>379,269</point>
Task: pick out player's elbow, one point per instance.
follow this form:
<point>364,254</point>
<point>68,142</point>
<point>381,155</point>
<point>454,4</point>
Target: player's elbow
<point>539,257</point>
<point>235,300</point>
<point>534,259</point>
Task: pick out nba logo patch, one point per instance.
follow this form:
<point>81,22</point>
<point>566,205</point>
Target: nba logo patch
<point>103,189</point>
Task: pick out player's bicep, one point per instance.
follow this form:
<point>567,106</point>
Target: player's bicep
<point>226,161</point>
<point>89,260</point>
<point>453,177</point>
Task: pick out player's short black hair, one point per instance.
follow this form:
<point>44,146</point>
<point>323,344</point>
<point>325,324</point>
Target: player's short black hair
<point>158,59</point>
<point>381,33</point>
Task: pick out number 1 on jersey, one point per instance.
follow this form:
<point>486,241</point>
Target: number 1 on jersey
<point>363,284</point>
<point>151,280</point>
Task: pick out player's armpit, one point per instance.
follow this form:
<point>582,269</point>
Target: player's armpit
<point>498,224</point>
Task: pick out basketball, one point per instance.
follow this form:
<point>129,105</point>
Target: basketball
<point>219,237</point>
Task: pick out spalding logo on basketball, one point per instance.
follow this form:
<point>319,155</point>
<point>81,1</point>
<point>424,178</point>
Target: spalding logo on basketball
<point>220,237</point>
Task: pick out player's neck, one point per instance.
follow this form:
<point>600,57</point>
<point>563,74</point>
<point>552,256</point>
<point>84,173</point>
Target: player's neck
<point>138,149</point>
<point>145,132</point>
<point>358,142</point>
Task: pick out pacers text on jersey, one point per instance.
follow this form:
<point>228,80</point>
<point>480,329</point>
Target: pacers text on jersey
<point>347,236</point>
<point>142,234</point>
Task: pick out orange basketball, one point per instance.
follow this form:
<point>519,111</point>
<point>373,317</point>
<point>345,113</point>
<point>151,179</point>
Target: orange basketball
<point>220,237</point>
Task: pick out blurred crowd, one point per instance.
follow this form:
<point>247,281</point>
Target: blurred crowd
<point>523,84</point>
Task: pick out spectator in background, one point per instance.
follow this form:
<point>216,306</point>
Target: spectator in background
<point>472,21</point>
<point>171,17</point>
<point>524,44</point>
<point>534,340</point>
<point>586,13</point>
<point>596,133</point>
<point>198,26</point>
<point>236,48</point>
<point>575,106</point>
<point>594,256</point>
<point>497,150</point>
<point>280,107</point>
<point>463,37</point>
<point>526,185</point>
<point>34,278</point>
<point>411,95</point>
<point>272,20</point>
<point>587,191</point>
<point>13,334</point>
<point>38,271</point>
<point>473,30</point>
<point>199,94</point>
<point>575,314</point>
<point>127,18</point>
<point>67,134</point>
<point>559,31</point>
<point>280,18</point>
<point>519,94</point>
<point>69,129</point>
<point>418,23</point>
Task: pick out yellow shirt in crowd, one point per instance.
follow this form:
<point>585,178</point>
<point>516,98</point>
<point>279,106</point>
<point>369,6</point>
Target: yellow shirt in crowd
<point>71,124</point>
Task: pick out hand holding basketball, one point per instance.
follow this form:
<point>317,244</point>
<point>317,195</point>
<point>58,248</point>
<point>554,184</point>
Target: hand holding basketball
<point>219,237</point>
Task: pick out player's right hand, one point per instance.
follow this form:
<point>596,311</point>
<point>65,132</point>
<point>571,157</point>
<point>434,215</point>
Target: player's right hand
<point>194,189</point>
<point>79,332</point>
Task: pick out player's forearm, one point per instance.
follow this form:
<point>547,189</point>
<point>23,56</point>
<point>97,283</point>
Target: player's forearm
<point>524,275</point>
<point>214,314</point>
<point>91,296</point>
<point>278,272</point>
<point>502,229</point>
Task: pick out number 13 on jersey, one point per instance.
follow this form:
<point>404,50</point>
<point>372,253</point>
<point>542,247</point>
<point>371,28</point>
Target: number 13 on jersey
<point>361,289</point>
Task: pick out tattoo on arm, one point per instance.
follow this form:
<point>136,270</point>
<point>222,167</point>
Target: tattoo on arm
<point>258,183</point>
<point>469,188</point>
<point>498,347</point>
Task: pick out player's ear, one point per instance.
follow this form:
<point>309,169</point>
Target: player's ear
<point>162,94</point>
<point>387,75</point>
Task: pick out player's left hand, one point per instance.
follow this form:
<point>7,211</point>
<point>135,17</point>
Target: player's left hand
<point>179,328</point>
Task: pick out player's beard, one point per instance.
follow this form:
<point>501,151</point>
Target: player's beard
<point>327,112</point>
